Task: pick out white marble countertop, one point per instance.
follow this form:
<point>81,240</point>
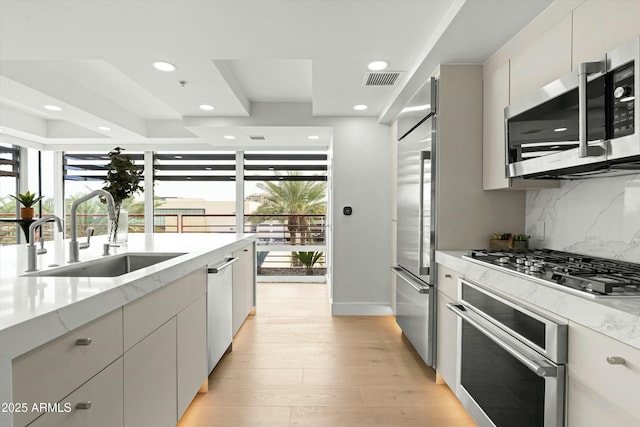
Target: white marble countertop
<point>35,310</point>
<point>618,318</point>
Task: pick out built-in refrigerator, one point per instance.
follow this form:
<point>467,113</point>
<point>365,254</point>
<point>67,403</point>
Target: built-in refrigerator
<point>415,305</point>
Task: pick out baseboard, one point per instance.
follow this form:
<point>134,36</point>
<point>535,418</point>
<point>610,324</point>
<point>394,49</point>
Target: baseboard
<point>291,279</point>
<point>360,309</point>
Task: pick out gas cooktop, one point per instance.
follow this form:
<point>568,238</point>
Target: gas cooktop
<point>582,274</point>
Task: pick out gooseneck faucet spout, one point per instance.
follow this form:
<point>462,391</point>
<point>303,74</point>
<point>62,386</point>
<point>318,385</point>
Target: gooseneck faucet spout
<point>31,248</point>
<point>74,249</point>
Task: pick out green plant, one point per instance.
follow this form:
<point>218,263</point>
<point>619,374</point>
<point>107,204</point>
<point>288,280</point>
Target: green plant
<point>308,258</point>
<point>27,199</point>
<point>123,176</point>
<point>123,180</point>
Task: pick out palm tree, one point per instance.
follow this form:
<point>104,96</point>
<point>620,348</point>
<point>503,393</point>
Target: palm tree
<point>293,198</point>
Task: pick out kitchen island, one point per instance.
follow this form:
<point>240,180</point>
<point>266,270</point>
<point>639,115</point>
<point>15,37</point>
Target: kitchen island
<point>36,310</point>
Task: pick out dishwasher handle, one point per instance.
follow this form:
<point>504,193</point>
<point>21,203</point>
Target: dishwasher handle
<point>218,269</point>
<point>535,367</point>
<point>410,281</point>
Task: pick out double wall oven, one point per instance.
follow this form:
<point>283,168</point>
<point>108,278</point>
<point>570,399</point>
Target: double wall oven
<point>512,362</point>
<point>583,124</point>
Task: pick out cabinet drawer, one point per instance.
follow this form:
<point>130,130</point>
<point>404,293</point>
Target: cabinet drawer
<point>50,372</point>
<point>617,383</point>
<point>104,392</point>
<point>244,254</point>
<point>448,281</point>
<point>148,313</point>
<point>447,342</point>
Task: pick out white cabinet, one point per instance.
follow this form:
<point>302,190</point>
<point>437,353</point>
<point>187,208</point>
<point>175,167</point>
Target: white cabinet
<point>53,370</point>
<point>97,403</point>
<point>600,393</point>
<point>541,61</point>
<point>447,328</point>
<point>150,387</point>
<point>165,357</point>
<point>616,22</point>
<point>243,285</point>
<point>192,351</point>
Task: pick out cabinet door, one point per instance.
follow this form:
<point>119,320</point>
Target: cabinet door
<point>52,371</point>
<point>542,61</point>
<point>97,403</point>
<point>495,99</point>
<point>447,342</point>
<point>616,22</point>
<point>599,390</point>
<point>150,380</point>
<point>243,286</point>
<point>192,352</point>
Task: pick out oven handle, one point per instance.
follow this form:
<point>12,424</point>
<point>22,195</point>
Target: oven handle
<point>584,70</point>
<point>541,371</point>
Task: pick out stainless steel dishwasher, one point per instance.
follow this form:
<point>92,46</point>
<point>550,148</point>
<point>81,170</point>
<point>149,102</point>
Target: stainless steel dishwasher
<point>219,311</point>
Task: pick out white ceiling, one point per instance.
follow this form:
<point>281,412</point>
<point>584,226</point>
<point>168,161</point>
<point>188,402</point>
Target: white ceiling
<point>93,58</point>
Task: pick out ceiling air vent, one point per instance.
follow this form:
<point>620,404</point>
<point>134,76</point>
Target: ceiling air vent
<point>257,138</point>
<point>381,78</point>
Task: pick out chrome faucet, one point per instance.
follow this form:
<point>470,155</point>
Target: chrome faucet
<point>31,248</point>
<point>74,247</point>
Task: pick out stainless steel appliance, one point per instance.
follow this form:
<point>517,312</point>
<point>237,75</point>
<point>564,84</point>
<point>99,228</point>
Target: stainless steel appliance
<point>582,124</point>
<point>219,315</point>
<point>416,223</point>
<point>512,362</point>
<point>582,275</point>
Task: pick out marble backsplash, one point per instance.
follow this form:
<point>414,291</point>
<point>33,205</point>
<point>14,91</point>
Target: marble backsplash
<point>598,216</point>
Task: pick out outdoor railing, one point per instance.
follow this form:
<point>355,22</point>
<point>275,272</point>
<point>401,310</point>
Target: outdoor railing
<point>271,229</point>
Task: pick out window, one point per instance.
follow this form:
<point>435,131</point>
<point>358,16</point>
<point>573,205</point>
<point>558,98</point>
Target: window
<point>195,192</point>
<point>87,171</point>
<point>9,173</point>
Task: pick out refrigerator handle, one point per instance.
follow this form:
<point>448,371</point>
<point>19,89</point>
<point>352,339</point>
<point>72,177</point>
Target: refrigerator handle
<point>424,270</point>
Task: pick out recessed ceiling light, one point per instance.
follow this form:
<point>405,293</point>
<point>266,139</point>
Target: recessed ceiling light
<point>378,65</point>
<point>560,129</point>
<point>177,157</point>
<point>208,168</point>
<point>313,137</point>
<point>105,128</point>
<point>229,137</point>
<point>207,107</point>
<point>164,66</point>
<point>360,107</point>
<point>51,107</point>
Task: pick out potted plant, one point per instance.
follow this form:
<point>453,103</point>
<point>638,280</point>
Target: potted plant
<point>123,180</point>
<point>308,259</point>
<point>27,200</point>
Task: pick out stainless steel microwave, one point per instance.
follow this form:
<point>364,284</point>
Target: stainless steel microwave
<point>583,124</point>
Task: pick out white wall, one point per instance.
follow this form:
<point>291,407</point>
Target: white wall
<point>361,241</point>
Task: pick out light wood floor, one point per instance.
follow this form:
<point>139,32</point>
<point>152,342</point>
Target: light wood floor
<point>293,364</point>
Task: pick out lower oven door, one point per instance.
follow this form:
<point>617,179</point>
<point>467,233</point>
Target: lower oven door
<point>413,313</point>
<point>504,383</point>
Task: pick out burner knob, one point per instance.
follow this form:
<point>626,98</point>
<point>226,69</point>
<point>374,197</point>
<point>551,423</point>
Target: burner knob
<point>519,261</point>
<point>536,268</point>
<point>528,263</point>
<point>504,260</point>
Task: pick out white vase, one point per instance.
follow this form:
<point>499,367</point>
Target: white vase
<point>119,229</point>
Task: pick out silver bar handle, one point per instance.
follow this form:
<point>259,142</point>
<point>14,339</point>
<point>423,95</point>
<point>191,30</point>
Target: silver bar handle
<point>83,405</point>
<point>83,341</point>
<point>616,360</point>
<point>410,281</point>
<point>218,269</point>
<point>541,371</point>
<point>584,70</point>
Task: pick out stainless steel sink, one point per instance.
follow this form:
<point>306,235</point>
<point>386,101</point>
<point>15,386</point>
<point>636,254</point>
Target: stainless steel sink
<point>112,266</point>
